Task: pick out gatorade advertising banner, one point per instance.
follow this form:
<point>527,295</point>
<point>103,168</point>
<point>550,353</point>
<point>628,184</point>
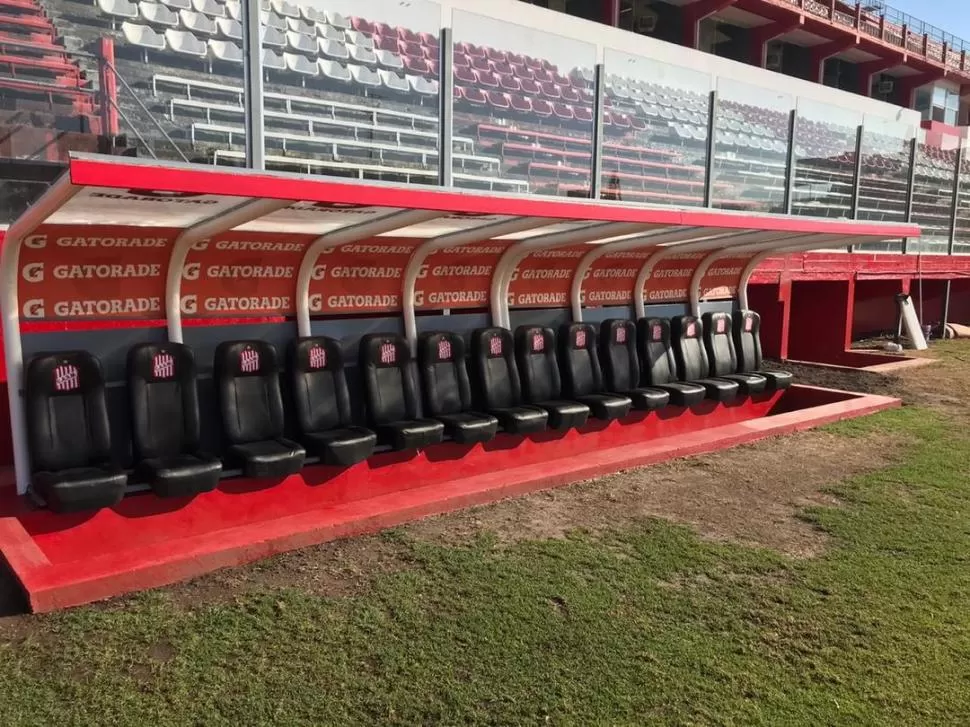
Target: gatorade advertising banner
<point>543,279</point>
<point>722,278</point>
<point>669,280</point>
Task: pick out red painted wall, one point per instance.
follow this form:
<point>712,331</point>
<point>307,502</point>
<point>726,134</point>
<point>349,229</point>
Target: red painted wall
<point>820,312</point>
<point>875,310</point>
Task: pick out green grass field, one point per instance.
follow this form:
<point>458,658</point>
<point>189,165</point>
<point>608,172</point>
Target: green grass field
<point>646,624</point>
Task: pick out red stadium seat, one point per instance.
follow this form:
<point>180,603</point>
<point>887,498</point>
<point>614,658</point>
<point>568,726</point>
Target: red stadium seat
<point>498,100</point>
<point>486,79</point>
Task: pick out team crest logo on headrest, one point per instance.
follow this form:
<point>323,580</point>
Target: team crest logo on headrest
<point>388,353</point>
<point>657,332</point>
<point>621,334</point>
<point>444,350</point>
<point>495,346</point>
<point>748,324</point>
<point>538,342</point>
<point>66,377</point>
<point>249,361</point>
<point>721,325</point>
<point>691,330</point>
<point>581,338</point>
<point>317,357</point>
<point>163,365</point>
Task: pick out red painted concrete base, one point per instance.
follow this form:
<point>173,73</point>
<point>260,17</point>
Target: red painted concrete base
<point>870,361</point>
<point>145,541</point>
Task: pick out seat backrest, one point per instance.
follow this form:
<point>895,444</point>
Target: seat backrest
<point>687,341</point>
<point>494,373</point>
<point>67,417</point>
<point>164,397</point>
<point>444,373</point>
<point>535,354</point>
<point>579,360</point>
<point>747,340</point>
<point>618,355</point>
<point>319,383</point>
<point>250,401</point>
<point>387,370</point>
<point>718,344</point>
<point>657,366</point>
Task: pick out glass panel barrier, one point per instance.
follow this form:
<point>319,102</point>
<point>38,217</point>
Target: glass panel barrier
<point>750,147</point>
<point>936,158</point>
<point>523,109</point>
<point>825,142</point>
<point>961,237</point>
<point>661,157</point>
<point>884,176</point>
<point>130,78</point>
<point>351,88</point>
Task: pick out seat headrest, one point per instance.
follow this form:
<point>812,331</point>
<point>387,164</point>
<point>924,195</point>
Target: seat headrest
<point>492,342</point>
<point>618,331</point>
<point>580,335</point>
<point>657,330</point>
<point>64,373</point>
<point>442,347</point>
<point>384,350</point>
<point>536,339</point>
<point>246,358</point>
<point>157,362</point>
<point>687,327</point>
<point>317,353</point>
<point>749,321</point>
<point>718,324</point>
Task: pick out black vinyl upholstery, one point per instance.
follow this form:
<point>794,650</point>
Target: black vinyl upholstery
<point>68,433</point>
<point>657,366</point>
<point>535,354</point>
<point>447,390</point>
<point>251,404</point>
<point>621,365</point>
<point>495,384</point>
<point>747,345</point>
<point>165,432</point>
<point>391,394</point>
<point>322,403</point>
<point>723,360</point>
<point>686,338</point>
<point>582,377</point>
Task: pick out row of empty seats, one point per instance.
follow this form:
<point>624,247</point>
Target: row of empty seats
<point>518,384</point>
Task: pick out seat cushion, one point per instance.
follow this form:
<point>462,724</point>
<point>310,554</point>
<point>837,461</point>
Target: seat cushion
<point>777,380</point>
<point>682,394</point>
<point>341,447</point>
<point>469,427</point>
<point>606,406</point>
<point>411,433</point>
<point>648,399</point>
<point>81,488</point>
<point>718,389</point>
<point>565,415</point>
<point>269,458</point>
<point>748,384</point>
<point>180,475</point>
<point>521,419</point>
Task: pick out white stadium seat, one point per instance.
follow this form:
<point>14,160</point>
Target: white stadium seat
<point>272,20</point>
<point>394,82</point>
<point>229,28</point>
<point>198,23</point>
<point>329,32</point>
<point>334,50</point>
<point>272,60</point>
<point>158,15</point>
<point>390,60</point>
<point>299,43</point>
<point>362,56</point>
<point>143,36</point>
<point>234,10</point>
<point>423,86</point>
<point>273,37</point>
<point>286,9</point>
<point>119,8</point>
<point>300,64</point>
<point>212,8</point>
<point>312,14</point>
<point>177,4</point>
<point>361,40</point>
<point>226,50</point>
<point>334,71</point>
<point>301,26</point>
<point>337,20</point>
<point>366,76</point>
<point>186,44</point>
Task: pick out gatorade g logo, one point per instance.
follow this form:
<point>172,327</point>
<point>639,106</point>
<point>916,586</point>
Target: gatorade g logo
<point>200,245</point>
<point>319,272</point>
<point>191,271</point>
<point>35,242</point>
<point>190,304</point>
<point>33,272</point>
<point>34,308</point>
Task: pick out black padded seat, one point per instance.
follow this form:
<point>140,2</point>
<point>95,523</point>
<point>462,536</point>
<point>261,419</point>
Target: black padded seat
<point>657,366</point>
<point>535,355</point>
<point>582,376</point>
<point>496,388</point>
<point>68,433</point>
<point>166,431</point>
<point>723,360</point>
<point>447,390</point>
<point>621,365</point>
<point>747,345</point>
<point>391,394</point>
<point>693,366</point>
<point>322,402</point>
<point>251,404</point>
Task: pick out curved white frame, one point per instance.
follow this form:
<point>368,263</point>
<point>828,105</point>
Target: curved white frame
<point>483,233</point>
<point>502,275</point>
<point>342,236</point>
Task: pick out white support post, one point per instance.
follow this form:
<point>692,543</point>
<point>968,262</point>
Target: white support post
<point>657,237</point>
<point>55,197</point>
<point>238,215</point>
<point>482,233</point>
<point>342,236</point>
<point>505,269</point>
